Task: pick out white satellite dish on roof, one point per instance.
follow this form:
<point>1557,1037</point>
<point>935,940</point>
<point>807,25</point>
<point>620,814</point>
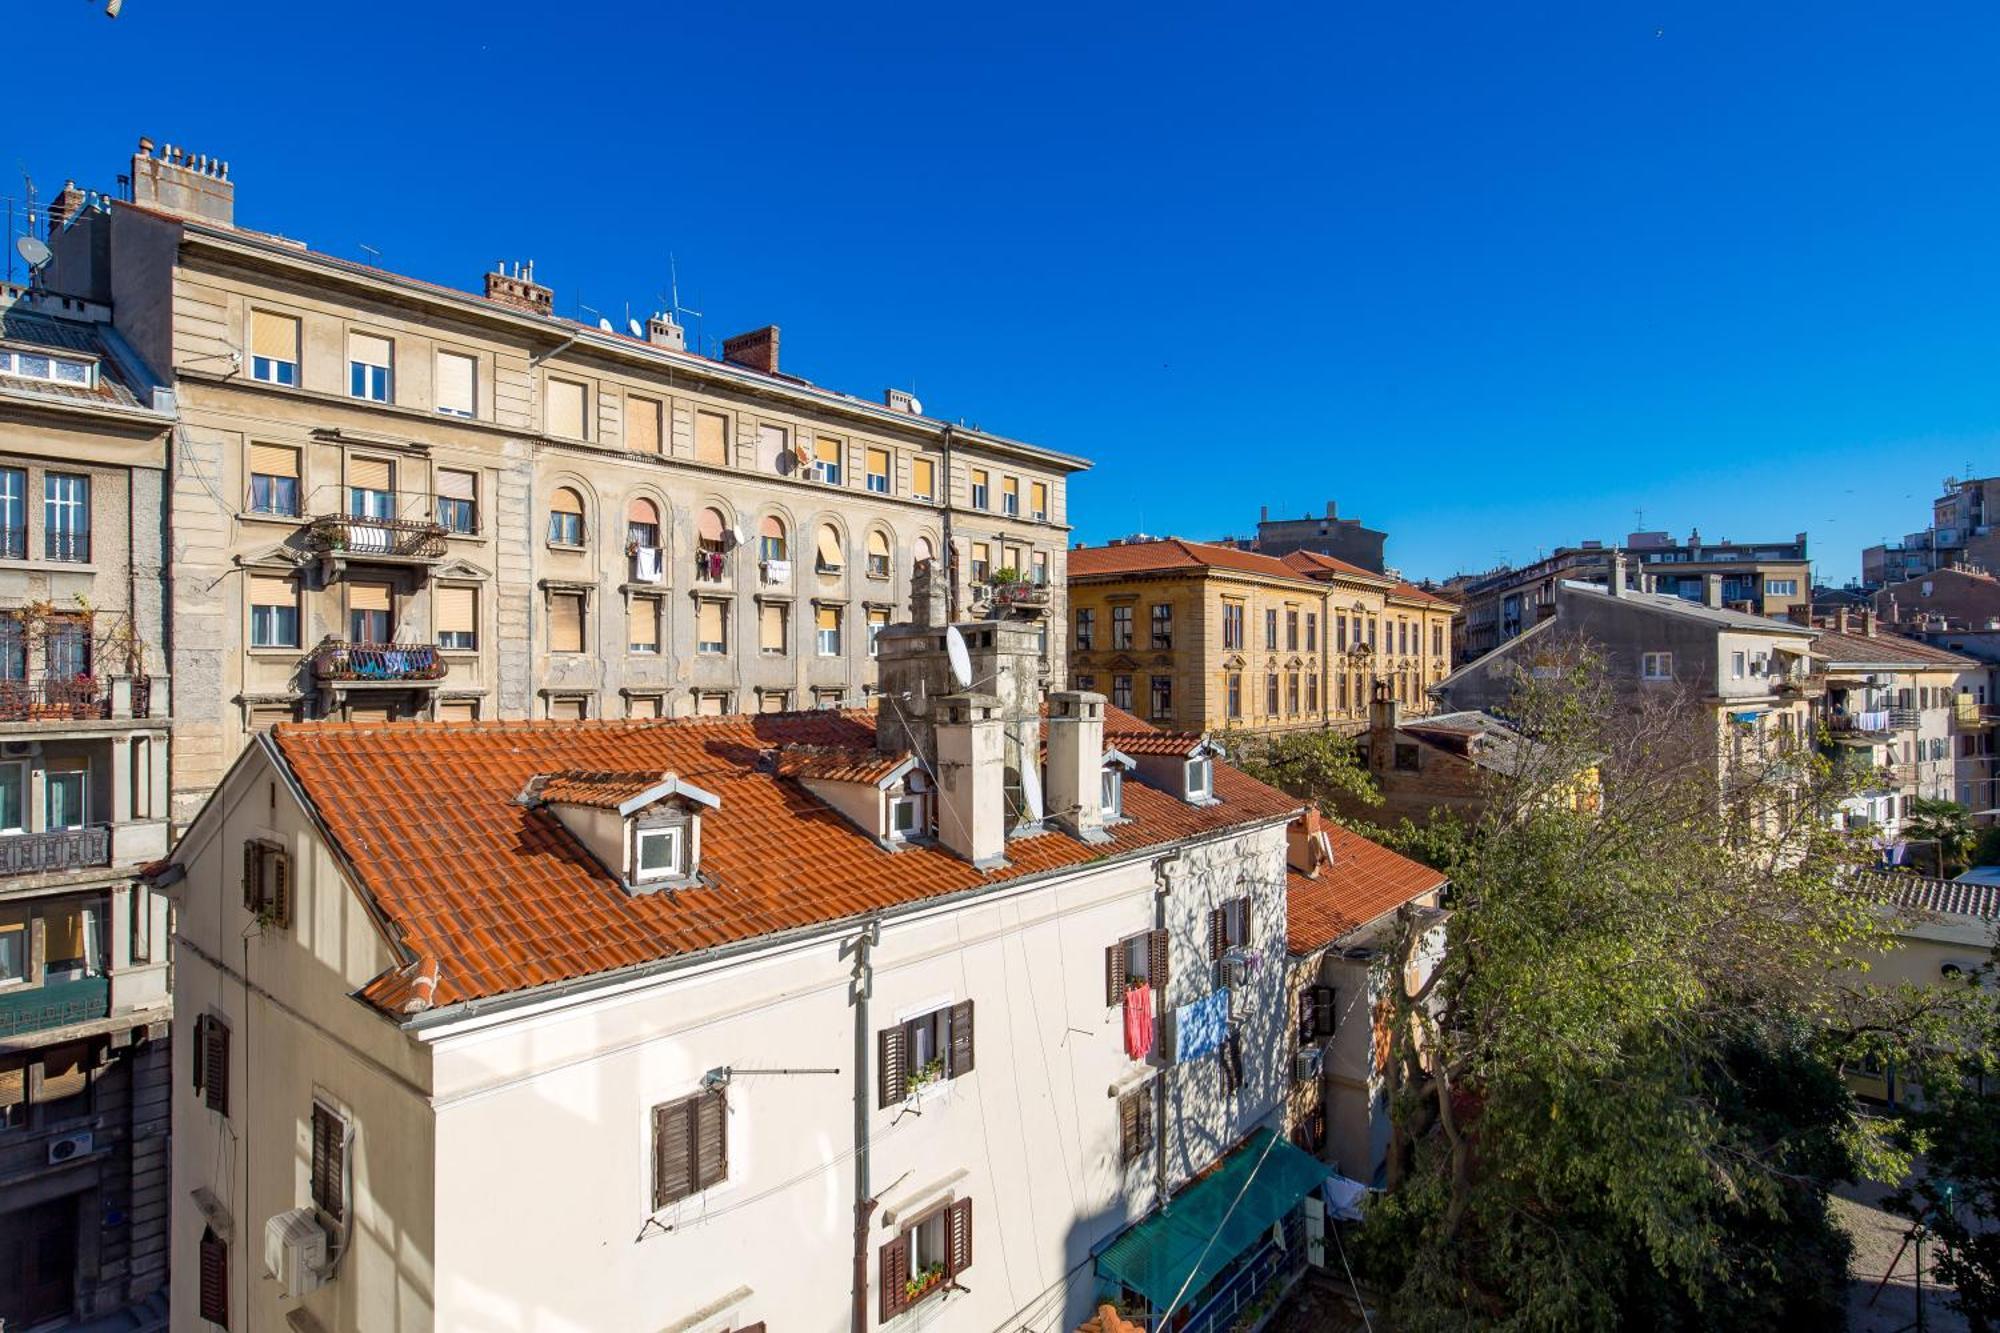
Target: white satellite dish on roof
<point>637,329</point>
<point>1031,784</point>
<point>736,534</point>
<point>34,250</point>
<point>605,324</point>
<point>961,660</point>
<point>916,407</point>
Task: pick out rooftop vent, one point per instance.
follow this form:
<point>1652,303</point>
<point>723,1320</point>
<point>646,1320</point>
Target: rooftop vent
<point>515,285</point>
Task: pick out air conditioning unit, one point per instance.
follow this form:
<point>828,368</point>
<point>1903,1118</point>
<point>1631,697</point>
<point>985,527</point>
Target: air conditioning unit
<point>1233,973</point>
<point>70,1147</point>
<point>295,1251</point>
<point>1306,1065</point>
<point>20,749</point>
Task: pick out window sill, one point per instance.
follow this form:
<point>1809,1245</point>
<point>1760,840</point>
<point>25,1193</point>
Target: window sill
<point>468,654</point>
<point>568,546</point>
<point>275,650</point>
<point>269,516</point>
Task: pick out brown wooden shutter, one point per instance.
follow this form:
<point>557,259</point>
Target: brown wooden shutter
<point>215,1064</point>
<point>644,630</point>
<point>279,867</point>
<point>673,1156</point>
<point>1218,933</point>
<point>771,627</point>
<point>456,610</point>
<point>1248,916</point>
<point>253,890</point>
<point>1306,1020</point>
<point>711,1138</point>
<point>895,1272</point>
<point>1128,1128</point>
<point>1323,1011</point>
<point>1114,974</point>
<point>961,1038</point>
<point>1158,946</point>
<point>329,1161</point>
<point>566,623</point>
<point>275,336</point>
<point>197,1060</point>
<point>892,1059</point>
<point>274,460</point>
<point>214,1277</point>
<point>958,1238</point>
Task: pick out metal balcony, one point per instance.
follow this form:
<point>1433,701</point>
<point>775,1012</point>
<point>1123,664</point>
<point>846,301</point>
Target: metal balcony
<point>54,1004</point>
<point>339,662</point>
<point>54,699</point>
<point>392,540</point>
<point>56,849</point>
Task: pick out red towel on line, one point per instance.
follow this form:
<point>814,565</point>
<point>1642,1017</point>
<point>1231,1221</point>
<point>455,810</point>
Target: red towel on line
<point>1138,1021</point>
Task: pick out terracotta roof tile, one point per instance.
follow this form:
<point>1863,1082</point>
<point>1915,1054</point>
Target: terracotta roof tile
<point>1171,553</point>
<point>1152,741</point>
<point>1316,564</point>
<point>505,899</point>
<point>1410,592</point>
<point>1363,881</point>
<point>1883,649</point>
<point>603,791</point>
<point>823,763</point>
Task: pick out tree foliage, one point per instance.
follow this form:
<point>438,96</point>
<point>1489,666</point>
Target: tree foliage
<point>1947,825</point>
<point>1318,766</point>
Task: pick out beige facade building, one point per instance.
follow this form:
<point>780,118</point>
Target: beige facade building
<point>1207,637</point>
<point>398,500</point>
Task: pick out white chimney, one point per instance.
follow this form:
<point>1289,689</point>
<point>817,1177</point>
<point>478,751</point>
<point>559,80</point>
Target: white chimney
<point>1711,590</point>
<point>972,778</point>
<point>1076,763</point>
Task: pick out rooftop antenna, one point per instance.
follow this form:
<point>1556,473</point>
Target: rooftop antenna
<point>373,253</point>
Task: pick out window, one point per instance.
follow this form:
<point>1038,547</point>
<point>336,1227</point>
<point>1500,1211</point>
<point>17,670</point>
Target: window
<point>1340,633</point>
<point>826,460</point>
<point>982,561</point>
<point>979,489</point>
<point>65,795</point>
<point>923,478</point>
<point>370,613</point>
<point>1271,629</point>
<point>66,644</point>
<point>1291,629</point>
<point>771,636</point>
<point>1135,1124</point>
<point>330,1142</point>
<point>46,366</point>
<point>274,348</point>
<point>13,953</point>
<point>829,558</point>
<point>458,710</point>
<point>1014,560</point>
<point>642,635</point>
<point>827,619</point>
<point>1121,627</point>
<point>878,555</point>
<point>1228,927</point>
<point>878,620</point>
<point>66,517</point>
<point>210,1062</point>
<point>642,524</point>
<point>711,438</point>
<point>643,421</point>
<point>371,488</point>
<point>1291,693</point>
<point>710,551</point>
<point>926,1257</point>
<point>1790,588</point>
<point>1437,640</point>
<point>1086,628</point>
<point>1038,569</point>
<point>566,411</point>
<point>1163,625</point>
<point>711,637</point>
<point>907,816</point>
<point>1737,666</point>
<point>1312,692</point>
<point>1038,501</point>
<point>1232,625</point>
<point>1200,775</point>
<point>923,1050</point>
<point>1233,693</point>
<point>771,543</point>
<point>1121,692</point>
<point>565,518</point>
<point>1163,696</point>
<point>1086,681</point>
<point>369,362</point>
<point>457,384</point>
<point>657,853</point>
<point>13,513</point>
<point>774,701</point>
<point>13,798</point>
<point>274,612</point>
<point>690,1145</point>
<point>569,709</point>
<point>1271,694</point>
<point>1111,792</point>
<point>1316,1013</point>
<point>1656,666</point>
<point>274,480</point>
<point>214,1269</point>
<point>566,622</point>
<point>1312,632</point>
<point>1010,496</point>
<point>458,501</point>
<point>878,471</point>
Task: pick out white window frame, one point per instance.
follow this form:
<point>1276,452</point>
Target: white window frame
<point>1656,666</point>
<point>917,804</point>
<point>378,383</point>
<point>49,778</point>
<point>1111,792</point>
<point>821,635</point>
<point>674,836</point>
<point>1199,776</point>
<point>15,363</point>
<point>1739,664</point>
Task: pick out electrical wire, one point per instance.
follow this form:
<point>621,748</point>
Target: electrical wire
<point>1248,1176</point>
<point>1366,1322</point>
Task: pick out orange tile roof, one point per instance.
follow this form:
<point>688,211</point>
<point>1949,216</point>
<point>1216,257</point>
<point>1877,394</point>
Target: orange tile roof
<point>504,899</point>
<point>1315,564</point>
<point>1412,593</point>
<point>1364,881</point>
<point>822,763</point>
<point>1172,553</point>
<point>1153,741</point>
<point>602,791</point>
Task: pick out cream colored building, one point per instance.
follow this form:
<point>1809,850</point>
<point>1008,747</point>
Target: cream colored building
<point>1208,637</point>
<point>392,499</point>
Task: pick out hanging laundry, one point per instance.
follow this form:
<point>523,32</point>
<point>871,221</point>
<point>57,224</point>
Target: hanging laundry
<point>1138,1021</point>
<point>646,567</point>
<point>1200,1027</point>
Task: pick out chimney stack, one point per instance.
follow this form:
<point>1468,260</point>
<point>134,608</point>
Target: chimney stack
<point>192,185</point>
<point>900,400</point>
<point>1385,717</point>
<point>1711,590</point>
<point>516,287</point>
<point>1617,574</point>
<point>661,331</point>
<point>756,350</point>
<point>1840,621</point>
<point>1076,763</point>
<point>1867,618</point>
<point>972,778</point>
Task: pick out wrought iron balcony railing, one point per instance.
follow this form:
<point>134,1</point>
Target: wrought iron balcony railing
<point>54,698</point>
<point>383,538</point>
<point>54,1004</point>
<point>385,663</point>
<point>67,547</point>
<point>56,849</point>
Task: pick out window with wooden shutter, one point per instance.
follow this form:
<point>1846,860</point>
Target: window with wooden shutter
<point>274,460</point>
<point>644,635</point>
<point>923,478</point>
<point>830,555</point>
<point>214,1300</point>
<point>274,336</point>
<point>1159,947</point>
<point>457,393</point>
<point>1322,1011</point>
<point>329,1161</point>
<point>711,438</point>
<point>1135,1124</point>
<point>1218,933</point>
<point>565,410</point>
<point>371,474</point>
<point>457,613</point>
<point>566,623</point>
<point>642,424</point>
<point>771,628</point>
<point>214,1057</point>
<point>895,1274</point>
<point>892,1064</point>
<point>710,632</point>
<point>1114,974</point>
<point>961,1040</point>
<point>690,1145</point>
<point>958,1233</point>
<point>1038,499</point>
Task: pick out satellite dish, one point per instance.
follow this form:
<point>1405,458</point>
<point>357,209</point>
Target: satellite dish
<point>736,534</point>
<point>33,250</point>
<point>638,330</point>
<point>961,661</point>
<point>1031,785</point>
<point>788,462</point>
<point>605,324</point>
<point>916,407</point>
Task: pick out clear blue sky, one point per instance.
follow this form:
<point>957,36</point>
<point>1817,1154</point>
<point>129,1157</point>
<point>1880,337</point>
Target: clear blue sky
<point>1491,281</point>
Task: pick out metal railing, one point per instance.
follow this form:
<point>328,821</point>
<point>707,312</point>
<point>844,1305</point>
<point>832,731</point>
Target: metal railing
<point>391,538</point>
<point>55,698</point>
<point>1904,719</point>
<point>13,543</point>
<point>56,849</point>
<point>66,546</point>
<point>54,1004</point>
<point>390,663</point>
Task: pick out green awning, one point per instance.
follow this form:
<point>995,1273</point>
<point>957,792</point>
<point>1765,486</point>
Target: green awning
<point>1168,1254</point>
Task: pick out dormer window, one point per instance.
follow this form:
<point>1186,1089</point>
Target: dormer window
<point>907,817</point>
<point>644,828</point>
<point>44,366</point>
<point>1111,799</point>
<point>1200,777</point>
<point>659,854</point>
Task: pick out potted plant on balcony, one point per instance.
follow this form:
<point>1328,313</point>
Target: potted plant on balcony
<point>925,1074</point>
<point>920,1282</point>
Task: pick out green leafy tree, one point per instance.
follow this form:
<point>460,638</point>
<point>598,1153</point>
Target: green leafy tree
<point>1947,826</point>
<point>1317,766</point>
<point>1616,1101</point>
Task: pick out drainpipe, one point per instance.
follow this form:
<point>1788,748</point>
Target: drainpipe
<point>950,550</point>
<point>864,1202</point>
<point>1162,893</point>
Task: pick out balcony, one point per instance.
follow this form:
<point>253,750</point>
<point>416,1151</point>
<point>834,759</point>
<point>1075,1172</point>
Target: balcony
<point>1809,686</point>
<point>397,541</point>
<point>1904,719</point>
<point>337,662</point>
<point>66,547</point>
<point>1969,716</point>
<point>53,1004</point>
<point>54,699</point>
<point>55,850</point>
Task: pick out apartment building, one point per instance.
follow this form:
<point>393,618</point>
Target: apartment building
<point>395,500</point>
<point>1960,533</point>
<point>1208,637</point>
<point>1345,539</point>
<point>574,1037</point>
<point>1955,597</point>
<point>1762,578</point>
<point>84,432</point>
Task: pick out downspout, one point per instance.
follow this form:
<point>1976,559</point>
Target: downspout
<point>864,1203</point>
<point>950,548</point>
<point>1162,892</point>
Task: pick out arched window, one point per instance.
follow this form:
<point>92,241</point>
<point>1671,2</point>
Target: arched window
<point>878,554</point>
<point>922,552</point>
<point>642,523</point>
<point>709,545</point>
<point>566,517</point>
<point>771,544</point>
<point>829,552</point>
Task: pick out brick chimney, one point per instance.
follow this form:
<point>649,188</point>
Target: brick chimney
<point>193,185</point>
<point>661,331</point>
<point>516,287</point>
<point>972,778</point>
<point>1385,716</point>
<point>1840,620</point>
<point>1866,616</point>
<point>1076,763</point>
<point>757,349</point>
<point>66,205</point>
